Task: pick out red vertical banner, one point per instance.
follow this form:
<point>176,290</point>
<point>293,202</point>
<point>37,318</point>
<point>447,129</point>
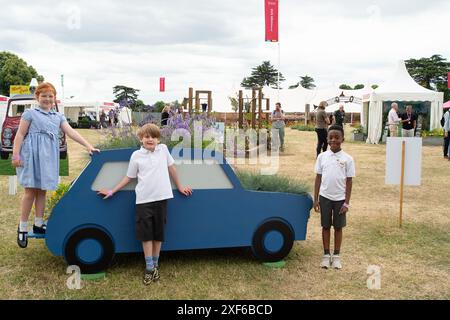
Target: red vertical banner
<point>162,84</point>
<point>271,13</point>
<point>448,80</point>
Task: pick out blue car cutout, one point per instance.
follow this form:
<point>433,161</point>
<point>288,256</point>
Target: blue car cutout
<point>88,231</point>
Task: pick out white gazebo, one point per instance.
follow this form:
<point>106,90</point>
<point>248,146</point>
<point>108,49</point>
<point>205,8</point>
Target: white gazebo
<point>401,87</point>
<point>73,108</point>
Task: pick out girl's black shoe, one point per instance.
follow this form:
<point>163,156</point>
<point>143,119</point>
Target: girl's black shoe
<point>22,238</point>
<point>39,230</point>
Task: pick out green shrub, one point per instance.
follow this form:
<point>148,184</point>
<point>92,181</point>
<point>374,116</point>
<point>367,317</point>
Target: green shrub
<point>303,128</point>
<point>434,133</point>
<point>119,143</point>
<point>273,183</point>
<point>358,129</point>
<point>54,197</point>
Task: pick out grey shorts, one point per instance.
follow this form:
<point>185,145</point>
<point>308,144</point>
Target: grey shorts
<point>329,213</point>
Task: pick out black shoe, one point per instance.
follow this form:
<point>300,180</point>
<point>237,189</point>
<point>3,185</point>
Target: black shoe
<point>22,238</point>
<point>148,276</point>
<point>156,274</point>
<point>39,230</point>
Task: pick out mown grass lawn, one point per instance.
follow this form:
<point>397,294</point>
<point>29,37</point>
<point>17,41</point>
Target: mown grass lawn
<point>414,260</point>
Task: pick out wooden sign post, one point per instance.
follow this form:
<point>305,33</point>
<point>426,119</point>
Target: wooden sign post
<point>402,181</point>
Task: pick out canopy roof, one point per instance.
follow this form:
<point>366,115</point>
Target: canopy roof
<point>402,87</point>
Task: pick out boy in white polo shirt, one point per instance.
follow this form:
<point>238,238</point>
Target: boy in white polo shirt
<point>332,191</point>
<point>151,165</point>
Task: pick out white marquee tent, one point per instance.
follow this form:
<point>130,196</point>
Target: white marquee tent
<point>401,87</point>
<point>72,109</point>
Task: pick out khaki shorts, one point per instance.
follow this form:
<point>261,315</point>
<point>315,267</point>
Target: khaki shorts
<point>393,130</point>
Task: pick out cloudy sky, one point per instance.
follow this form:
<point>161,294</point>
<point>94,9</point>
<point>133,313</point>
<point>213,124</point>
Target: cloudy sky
<point>212,44</point>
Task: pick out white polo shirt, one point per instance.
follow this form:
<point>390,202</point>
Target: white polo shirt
<point>335,168</point>
<point>151,170</point>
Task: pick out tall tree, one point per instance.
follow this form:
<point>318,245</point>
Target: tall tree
<point>159,106</point>
<point>127,96</point>
<point>262,75</point>
<point>15,71</point>
<point>345,87</point>
<point>430,73</point>
<point>306,82</point>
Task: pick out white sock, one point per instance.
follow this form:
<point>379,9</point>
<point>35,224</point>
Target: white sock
<point>38,222</point>
<point>23,226</point>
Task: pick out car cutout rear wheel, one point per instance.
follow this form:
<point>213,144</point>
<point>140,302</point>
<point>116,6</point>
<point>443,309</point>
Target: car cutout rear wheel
<point>91,249</point>
<point>272,241</point>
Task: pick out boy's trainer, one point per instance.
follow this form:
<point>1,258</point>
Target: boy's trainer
<point>336,262</point>
<point>326,261</point>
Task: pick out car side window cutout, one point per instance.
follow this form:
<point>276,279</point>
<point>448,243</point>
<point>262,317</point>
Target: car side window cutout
<point>197,176</point>
<point>111,174</point>
<point>203,176</point>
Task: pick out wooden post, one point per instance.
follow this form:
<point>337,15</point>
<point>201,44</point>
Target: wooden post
<point>402,181</point>
<point>306,114</point>
<point>267,104</point>
<point>260,108</point>
<point>191,96</point>
<point>209,102</point>
<point>241,110</point>
<point>253,108</point>
<point>197,101</point>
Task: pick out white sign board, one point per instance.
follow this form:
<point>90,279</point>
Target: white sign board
<point>413,161</point>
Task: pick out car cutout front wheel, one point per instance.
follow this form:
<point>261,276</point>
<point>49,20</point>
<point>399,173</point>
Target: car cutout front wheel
<point>272,241</point>
<point>91,249</point>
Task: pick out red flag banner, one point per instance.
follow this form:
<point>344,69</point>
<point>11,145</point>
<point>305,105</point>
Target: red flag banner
<point>448,80</point>
<point>271,12</point>
<point>162,84</point>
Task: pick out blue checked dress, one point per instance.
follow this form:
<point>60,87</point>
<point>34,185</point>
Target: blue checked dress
<point>40,150</point>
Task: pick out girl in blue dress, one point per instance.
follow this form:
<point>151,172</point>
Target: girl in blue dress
<point>36,157</point>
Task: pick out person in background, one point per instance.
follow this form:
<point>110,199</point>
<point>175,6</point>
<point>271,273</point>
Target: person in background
<point>408,120</point>
<point>116,118</point>
<point>111,117</point>
<point>393,120</point>
<point>103,119</point>
<point>322,123</point>
<point>447,135</point>
<point>165,115</point>
<point>278,123</point>
<point>339,116</point>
